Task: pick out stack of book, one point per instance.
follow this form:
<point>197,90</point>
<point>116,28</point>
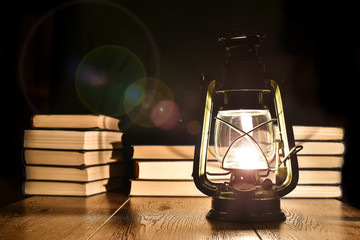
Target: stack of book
<point>166,170</point>
<point>73,155</point>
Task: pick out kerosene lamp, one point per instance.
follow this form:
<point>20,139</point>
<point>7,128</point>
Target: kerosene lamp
<point>262,167</point>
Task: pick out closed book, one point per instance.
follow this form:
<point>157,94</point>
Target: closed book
<point>182,170</point>
<point>316,191</point>
<point>318,177</point>
<point>174,170</point>
<point>78,121</point>
<point>81,174</point>
<point>72,188</point>
<point>319,133</point>
<point>319,148</point>
<point>71,158</point>
<point>72,140</point>
<point>165,152</point>
<point>188,189</point>
<point>316,162</point>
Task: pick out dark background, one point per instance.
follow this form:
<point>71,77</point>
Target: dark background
<point>313,46</point>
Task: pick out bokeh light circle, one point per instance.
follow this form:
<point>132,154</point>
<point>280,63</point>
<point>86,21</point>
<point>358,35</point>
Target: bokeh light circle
<point>103,78</point>
<point>134,94</point>
<point>165,114</point>
<point>155,105</point>
<point>193,127</point>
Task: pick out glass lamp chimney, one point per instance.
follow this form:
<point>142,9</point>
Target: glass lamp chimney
<point>238,145</point>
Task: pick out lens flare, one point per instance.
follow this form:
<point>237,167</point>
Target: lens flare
<point>104,77</point>
<point>193,127</point>
<point>115,25</point>
<point>152,105</point>
<point>134,94</point>
<point>165,114</point>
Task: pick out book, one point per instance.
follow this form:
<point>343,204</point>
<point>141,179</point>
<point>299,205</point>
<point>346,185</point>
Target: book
<point>315,191</point>
<point>165,152</point>
<point>177,169</point>
<point>75,121</point>
<point>71,157</point>
<point>72,140</point>
<point>82,174</point>
<point>317,177</point>
<point>322,161</point>
<point>188,188</point>
<point>182,170</point>
<point>71,188</point>
<point>321,148</point>
<point>318,133</point>
<point>187,152</point>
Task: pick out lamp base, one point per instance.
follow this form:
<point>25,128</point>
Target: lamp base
<point>246,210</point>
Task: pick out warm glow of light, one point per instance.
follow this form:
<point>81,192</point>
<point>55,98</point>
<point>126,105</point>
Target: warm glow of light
<point>239,143</point>
<point>244,154</point>
<point>247,123</point>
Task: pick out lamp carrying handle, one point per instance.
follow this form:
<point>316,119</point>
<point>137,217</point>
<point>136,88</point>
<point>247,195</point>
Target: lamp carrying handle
<point>201,148</point>
<point>288,142</point>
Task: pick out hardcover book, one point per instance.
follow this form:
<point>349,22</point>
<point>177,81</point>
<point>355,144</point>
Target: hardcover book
<point>72,140</point>
<point>80,174</point>
<point>84,189</point>
<point>75,121</point>
<point>72,157</point>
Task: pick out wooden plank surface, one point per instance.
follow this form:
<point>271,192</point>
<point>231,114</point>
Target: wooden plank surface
<point>170,218</point>
<point>313,219</point>
<point>184,218</point>
<point>57,217</point>
<point>115,216</point>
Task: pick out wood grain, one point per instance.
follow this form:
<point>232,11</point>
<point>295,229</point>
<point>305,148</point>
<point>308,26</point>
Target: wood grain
<point>184,218</point>
<point>115,216</point>
<point>170,218</point>
<point>57,217</point>
<point>313,219</point>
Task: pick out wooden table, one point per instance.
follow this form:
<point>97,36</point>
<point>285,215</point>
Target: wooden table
<point>116,216</point>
